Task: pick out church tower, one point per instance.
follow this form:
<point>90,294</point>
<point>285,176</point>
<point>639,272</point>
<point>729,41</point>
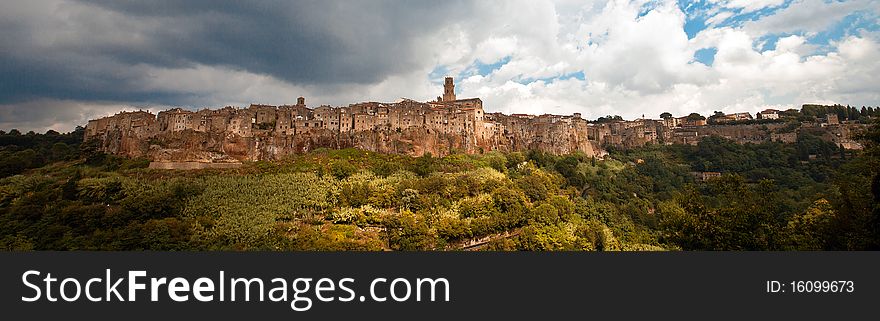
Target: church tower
<point>448,90</point>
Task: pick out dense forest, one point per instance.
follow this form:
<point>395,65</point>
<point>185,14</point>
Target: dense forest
<point>60,194</point>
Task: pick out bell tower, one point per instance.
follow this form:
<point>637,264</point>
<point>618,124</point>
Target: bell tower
<point>448,89</point>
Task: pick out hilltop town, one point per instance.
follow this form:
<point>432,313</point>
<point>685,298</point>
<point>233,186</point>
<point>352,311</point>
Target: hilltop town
<point>440,127</point>
<point>775,180</point>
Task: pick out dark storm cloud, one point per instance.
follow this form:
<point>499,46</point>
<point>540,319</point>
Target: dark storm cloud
<point>99,50</point>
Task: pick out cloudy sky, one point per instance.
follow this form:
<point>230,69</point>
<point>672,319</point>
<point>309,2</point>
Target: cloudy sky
<point>65,61</point>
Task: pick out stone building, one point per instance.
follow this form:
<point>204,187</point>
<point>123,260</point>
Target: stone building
<point>769,114</point>
<point>832,119</point>
<point>137,123</point>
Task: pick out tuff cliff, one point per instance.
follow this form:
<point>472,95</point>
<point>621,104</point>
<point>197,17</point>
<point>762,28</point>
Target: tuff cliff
<point>212,146</point>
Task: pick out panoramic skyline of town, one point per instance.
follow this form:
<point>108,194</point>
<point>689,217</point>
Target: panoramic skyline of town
<point>226,137</point>
<point>71,61</point>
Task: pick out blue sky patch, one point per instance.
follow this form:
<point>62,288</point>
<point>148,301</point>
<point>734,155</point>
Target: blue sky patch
<point>706,55</point>
<point>697,14</point>
<point>646,8</point>
<point>577,75</point>
<point>486,69</point>
<point>436,75</point>
<point>768,42</point>
<point>848,26</point>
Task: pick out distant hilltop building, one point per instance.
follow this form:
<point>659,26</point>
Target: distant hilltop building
<point>732,117</point>
<point>769,114</point>
<point>441,127</point>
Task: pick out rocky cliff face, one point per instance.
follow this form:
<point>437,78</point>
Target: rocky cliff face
<point>218,147</point>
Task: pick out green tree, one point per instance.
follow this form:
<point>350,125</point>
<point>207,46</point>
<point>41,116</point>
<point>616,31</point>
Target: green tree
<point>406,232</point>
<point>342,169</point>
<point>811,229</point>
<point>424,165</point>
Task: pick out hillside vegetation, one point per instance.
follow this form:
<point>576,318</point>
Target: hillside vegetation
<point>59,194</point>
